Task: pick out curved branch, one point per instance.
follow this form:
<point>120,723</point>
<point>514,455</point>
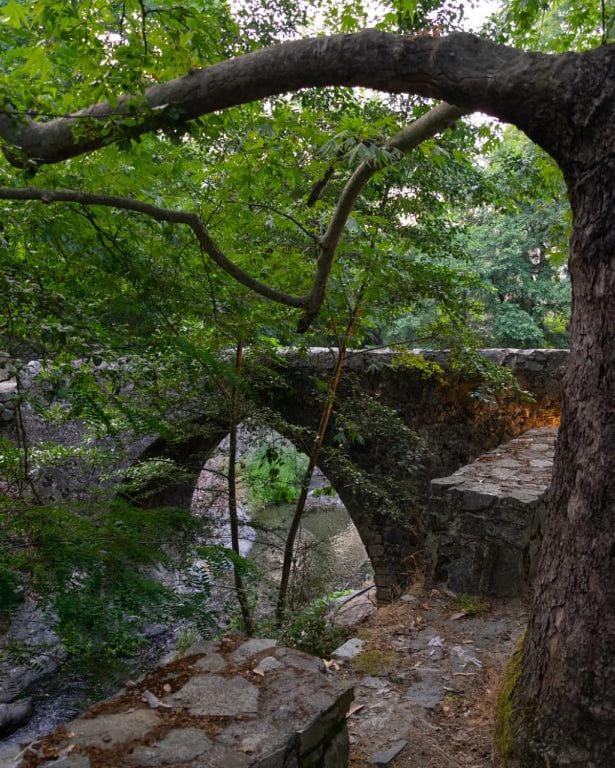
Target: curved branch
<point>427,126</point>
<point>473,73</point>
<point>192,220</point>
<point>408,138</point>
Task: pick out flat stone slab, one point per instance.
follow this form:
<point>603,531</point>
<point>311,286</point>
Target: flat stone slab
<point>109,731</point>
<point>385,757</point>
<point>253,647</point>
<point>182,745</point>
<point>213,662</point>
<point>261,706</point>
<point>267,664</point>
<point>214,695</point>
<point>349,649</point>
<point>427,693</point>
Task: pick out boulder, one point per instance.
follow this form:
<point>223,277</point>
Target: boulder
<point>14,714</point>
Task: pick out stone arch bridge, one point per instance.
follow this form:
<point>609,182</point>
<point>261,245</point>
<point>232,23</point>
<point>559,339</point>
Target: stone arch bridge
<point>443,422</point>
<point>414,423</point>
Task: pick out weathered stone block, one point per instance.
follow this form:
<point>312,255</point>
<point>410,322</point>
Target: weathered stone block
<point>181,745</point>
<point>252,647</point>
<point>112,730</point>
<point>214,696</point>
<point>289,714</point>
<point>484,520</point>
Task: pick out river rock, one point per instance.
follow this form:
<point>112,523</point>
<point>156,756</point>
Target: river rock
<point>31,631</point>
<point>14,714</point>
<point>9,755</point>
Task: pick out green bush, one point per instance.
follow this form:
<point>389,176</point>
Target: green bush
<point>273,474</point>
<point>90,567</point>
<point>311,629</point>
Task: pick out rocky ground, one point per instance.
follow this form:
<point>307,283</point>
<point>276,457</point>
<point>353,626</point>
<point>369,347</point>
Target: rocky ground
<point>425,670</point>
<point>426,680</point>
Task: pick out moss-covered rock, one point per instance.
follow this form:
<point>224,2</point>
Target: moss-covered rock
<point>505,707</point>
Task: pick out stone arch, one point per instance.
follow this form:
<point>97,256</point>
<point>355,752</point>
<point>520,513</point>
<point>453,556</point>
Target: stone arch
<point>455,426</point>
<point>382,539</point>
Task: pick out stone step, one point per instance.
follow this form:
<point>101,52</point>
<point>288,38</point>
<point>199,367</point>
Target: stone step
<point>232,704</point>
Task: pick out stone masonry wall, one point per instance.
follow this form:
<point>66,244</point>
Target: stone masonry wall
<point>454,424</point>
<point>484,520</point>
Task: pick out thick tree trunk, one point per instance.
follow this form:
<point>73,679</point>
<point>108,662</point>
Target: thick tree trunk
<point>563,703</point>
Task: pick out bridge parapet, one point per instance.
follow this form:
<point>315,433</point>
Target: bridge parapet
<point>485,519</point>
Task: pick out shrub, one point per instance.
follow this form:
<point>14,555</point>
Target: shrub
<point>273,474</point>
<point>89,565</point>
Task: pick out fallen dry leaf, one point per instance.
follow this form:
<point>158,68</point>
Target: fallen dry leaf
<point>153,701</point>
<point>353,710</point>
<point>457,615</point>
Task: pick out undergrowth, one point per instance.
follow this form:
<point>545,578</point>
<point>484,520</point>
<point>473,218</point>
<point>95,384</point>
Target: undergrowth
<point>472,605</point>
<point>310,629</point>
<point>90,566</point>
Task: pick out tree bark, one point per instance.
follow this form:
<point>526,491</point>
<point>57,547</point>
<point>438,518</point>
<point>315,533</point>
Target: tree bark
<point>563,705</point>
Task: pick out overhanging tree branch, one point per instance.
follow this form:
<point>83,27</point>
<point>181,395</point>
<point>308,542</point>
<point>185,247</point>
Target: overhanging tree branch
<point>192,220</point>
<point>408,138</point>
<point>425,127</point>
<point>462,69</point>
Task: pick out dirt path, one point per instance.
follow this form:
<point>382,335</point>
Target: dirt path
<point>428,675</point>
